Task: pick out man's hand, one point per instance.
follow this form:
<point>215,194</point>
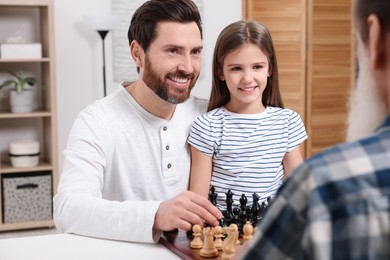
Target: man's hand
<point>184,211</point>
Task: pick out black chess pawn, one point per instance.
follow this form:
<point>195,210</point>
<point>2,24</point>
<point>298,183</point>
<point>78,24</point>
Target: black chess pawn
<point>263,209</point>
<point>248,211</point>
<point>236,219</point>
<point>223,221</point>
<point>269,200</point>
<point>212,195</point>
<point>236,213</point>
<point>242,220</point>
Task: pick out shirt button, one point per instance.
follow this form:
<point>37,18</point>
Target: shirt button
<point>165,128</point>
<point>167,147</point>
<point>169,165</point>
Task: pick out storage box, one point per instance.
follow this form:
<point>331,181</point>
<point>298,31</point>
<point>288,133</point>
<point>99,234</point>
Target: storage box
<point>26,197</point>
<point>24,153</point>
<point>20,50</point>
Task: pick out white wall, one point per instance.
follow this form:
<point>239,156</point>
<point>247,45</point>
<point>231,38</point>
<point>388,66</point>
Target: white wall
<point>79,55</point>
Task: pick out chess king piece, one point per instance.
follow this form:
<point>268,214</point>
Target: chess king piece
<point>218,242</point>
<point>208,249</point>
<point>229,243</point>
<point>197,242</point>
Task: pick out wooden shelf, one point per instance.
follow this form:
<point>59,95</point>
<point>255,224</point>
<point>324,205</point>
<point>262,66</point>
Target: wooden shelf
<point>40,124</point>
<point>24,3</point>
<point>24,60</point>
<point>25,115</point>
<point>26,225</point>
<point>42,166</point>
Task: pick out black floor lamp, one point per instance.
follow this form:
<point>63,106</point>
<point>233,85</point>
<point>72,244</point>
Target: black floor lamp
<point>103,34</point>
<point>103,25</point>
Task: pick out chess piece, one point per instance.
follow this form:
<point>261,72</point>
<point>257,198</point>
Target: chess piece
<point>242,221</point>
<point>222,221</point>
<point>243,201</point>
<point>248,231</point>
<point>208,249</point>
<point>236,219</point>
<point>218,242</point>
<point>263,209</point>
<point>229,243</point>
<point>255,211</point>
<point>236,234</point>
<point>212,196</point>
<point>197,242</point>
<point>236,213</point>
<point>229,203</point>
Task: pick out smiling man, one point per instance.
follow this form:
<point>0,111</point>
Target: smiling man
<point>127,164</point>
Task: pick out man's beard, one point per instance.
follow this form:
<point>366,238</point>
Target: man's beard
<point>161,89</point>
<point>366,109</point>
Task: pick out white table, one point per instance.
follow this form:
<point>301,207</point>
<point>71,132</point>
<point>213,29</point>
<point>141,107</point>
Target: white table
<point>74,247</point>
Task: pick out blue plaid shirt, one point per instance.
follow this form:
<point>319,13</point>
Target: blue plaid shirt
<point>336,205</point>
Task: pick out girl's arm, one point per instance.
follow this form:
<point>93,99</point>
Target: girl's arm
<point>201,168</point>
<point>291,160</point>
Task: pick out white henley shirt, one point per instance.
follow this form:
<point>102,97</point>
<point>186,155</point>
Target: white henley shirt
<point>120,163</point>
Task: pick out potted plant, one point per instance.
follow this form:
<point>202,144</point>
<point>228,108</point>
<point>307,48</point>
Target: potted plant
<point>21,98</point>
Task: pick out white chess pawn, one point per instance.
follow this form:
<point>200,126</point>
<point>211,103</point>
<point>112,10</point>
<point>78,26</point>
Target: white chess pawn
<point>197,242</point>
<point>248,231</point>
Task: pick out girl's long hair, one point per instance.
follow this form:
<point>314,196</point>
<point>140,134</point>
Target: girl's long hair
<point>232,37</point>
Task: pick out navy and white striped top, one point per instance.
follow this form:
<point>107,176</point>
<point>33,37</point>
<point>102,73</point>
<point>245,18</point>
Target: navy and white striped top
<point>247,149</point>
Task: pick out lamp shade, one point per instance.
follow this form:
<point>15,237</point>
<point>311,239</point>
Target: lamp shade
<point>102,22</point>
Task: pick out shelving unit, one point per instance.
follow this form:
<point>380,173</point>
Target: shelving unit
<point>41,124</point>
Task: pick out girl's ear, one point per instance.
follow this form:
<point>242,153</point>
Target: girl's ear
<point>270,69</point>
<point>137,53</point>
<point>220,74</point>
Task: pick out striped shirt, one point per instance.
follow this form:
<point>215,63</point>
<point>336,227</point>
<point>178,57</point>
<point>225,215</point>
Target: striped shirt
<point>247,149</point>
<point>336,205</point>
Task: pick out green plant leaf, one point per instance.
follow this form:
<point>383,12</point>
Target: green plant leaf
<point>19,82</point>
<point>31,81</point>
<point>8,83</point>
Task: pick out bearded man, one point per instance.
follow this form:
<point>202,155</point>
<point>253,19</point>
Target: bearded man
<point>127,162</point>
<point>336,205</point>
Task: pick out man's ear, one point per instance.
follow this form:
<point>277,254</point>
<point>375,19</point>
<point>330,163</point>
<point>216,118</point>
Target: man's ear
<point>376,42</point>
<point>137,53</point>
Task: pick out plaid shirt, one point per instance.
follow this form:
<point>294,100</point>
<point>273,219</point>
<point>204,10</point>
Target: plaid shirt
<point>336,205</point>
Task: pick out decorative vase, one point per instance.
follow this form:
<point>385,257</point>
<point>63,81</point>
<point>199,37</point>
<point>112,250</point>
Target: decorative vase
<point>22,102</point>
<point>24,153</point>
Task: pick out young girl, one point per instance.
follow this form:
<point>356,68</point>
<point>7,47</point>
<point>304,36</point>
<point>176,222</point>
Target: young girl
<point>246,142</point>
